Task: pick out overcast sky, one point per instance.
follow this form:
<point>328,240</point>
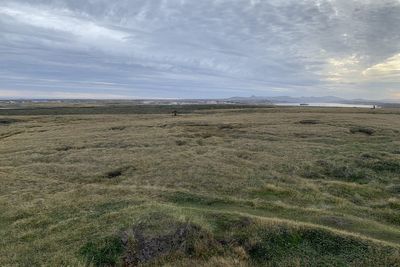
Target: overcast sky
<point>199,48</point>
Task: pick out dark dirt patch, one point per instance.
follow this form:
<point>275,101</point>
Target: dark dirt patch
<point>64,148</point>
<point>363,130</point>
<point>7,121</point>
<point>118,172</point>
<point>180,142</point>
<point>226,126</point>
<point>118,128</point>
<point>310,122</point>
<point>114,174</point>
<point>187,239</point>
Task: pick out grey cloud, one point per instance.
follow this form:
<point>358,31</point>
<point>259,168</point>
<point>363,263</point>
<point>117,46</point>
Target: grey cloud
<point>186,48</point>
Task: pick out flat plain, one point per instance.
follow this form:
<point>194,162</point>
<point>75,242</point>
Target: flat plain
<point>213,186</point>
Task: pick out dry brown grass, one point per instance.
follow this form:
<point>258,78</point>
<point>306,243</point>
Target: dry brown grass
<point>67,181</point>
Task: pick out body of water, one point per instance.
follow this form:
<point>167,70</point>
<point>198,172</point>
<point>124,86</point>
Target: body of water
<point>337,105</point>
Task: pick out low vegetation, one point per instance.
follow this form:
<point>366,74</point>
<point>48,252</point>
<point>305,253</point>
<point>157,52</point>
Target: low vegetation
<point>210,187</point>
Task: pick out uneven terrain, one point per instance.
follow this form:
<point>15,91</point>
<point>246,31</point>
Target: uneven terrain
<point>211,187</point>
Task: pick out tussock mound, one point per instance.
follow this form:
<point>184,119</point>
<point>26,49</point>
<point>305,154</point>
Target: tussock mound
<point>239,239</point>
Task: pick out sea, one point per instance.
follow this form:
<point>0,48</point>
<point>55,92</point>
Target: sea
<point>334,105</point>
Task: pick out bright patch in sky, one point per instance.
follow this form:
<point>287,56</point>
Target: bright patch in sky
<point>388,68</point>
<point>199,49</point>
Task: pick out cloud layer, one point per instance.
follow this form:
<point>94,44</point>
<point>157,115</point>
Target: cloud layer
<point>199,49</point>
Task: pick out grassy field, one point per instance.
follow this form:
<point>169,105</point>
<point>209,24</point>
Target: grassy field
<point>104,186</point>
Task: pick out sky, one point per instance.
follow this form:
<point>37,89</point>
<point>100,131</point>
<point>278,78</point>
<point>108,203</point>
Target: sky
<point>124,49</point>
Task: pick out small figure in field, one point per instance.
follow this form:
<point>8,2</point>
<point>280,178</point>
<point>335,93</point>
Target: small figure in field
<point>174,113</point>
<point>374,107</point>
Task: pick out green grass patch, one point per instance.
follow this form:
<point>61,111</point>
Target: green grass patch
<point>336,170</point>
<point>104,251</point>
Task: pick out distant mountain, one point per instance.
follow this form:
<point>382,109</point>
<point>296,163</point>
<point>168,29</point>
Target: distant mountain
<point>394,101</point>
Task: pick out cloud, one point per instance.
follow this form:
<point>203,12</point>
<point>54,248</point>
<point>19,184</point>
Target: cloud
<point>61,21</point>
<point>210,48</point>
<point>21,94</point>
<point>389,68</point>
